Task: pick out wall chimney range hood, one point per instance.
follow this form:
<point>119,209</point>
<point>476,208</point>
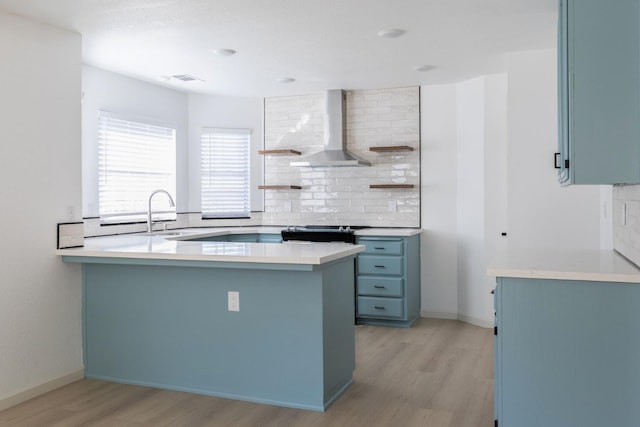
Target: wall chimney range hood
<point>335,152</point>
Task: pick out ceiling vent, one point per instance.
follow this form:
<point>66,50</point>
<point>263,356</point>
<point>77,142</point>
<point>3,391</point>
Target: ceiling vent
<point>186,78</point>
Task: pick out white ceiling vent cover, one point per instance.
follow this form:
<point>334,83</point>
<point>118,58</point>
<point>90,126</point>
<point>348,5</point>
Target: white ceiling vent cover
<point>187,78</point>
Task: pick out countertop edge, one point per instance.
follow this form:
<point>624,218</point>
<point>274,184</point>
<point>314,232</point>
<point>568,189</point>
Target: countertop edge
<point>348,251</point>
<point>582,265</point>
<point>563,275</point>
<point>391,232</point>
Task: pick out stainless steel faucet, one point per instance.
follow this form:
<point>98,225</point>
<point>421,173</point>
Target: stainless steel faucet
<point>171,204</point>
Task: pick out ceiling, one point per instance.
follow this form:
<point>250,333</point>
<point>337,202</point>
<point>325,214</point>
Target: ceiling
<point>323,44</point>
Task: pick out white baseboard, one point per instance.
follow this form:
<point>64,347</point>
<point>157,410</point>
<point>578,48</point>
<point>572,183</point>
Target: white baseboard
<point>439,315</point>
<point>456,316</point>
<point>36,391</point>
<point>475,321</point>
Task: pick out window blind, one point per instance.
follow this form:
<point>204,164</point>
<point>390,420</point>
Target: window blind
<point>224,161</point>
<point>134,159</point>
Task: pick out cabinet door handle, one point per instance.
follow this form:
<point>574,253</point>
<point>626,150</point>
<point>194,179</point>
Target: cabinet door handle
<point>379,266</point>
<point>377,307</point>
<point>556,164</point>
<point>378,286</point>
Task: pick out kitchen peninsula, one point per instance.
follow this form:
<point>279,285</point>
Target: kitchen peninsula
<point>263,322</point>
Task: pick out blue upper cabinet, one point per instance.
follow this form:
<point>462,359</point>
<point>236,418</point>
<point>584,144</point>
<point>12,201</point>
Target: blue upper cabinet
<point>598,92</point>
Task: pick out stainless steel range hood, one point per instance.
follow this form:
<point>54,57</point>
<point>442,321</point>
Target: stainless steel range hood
<point>335,152</point>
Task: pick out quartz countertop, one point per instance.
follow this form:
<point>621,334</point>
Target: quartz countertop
<point>175,244</point>
<point>164,247</point>
<point>588,265</point>
<point>391,232</point>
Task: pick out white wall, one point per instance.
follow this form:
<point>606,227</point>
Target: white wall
<point>464,174</point>
<point>541,213</point>
<point>40,303</point>
<point>626,221</point>
<point>471,198</point>
<point>135,99</point>
<point>439,250</point>
<point>224,112</point>
<point>489,143</point>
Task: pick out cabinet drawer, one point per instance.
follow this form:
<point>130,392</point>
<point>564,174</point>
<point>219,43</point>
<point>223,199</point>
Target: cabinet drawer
<point>380,286</point>
<point>381,247</point>
<point>380,307</point>
<point>385,265</point>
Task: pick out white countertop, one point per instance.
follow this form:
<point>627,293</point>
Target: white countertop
<point>392,232</point>
<point>175,245</point>
<point>206,232</point>
<point>136,246</point>
<point>593,265</point>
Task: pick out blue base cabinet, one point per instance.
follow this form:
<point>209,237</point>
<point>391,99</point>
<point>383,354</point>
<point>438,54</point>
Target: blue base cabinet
<point>567,353</point>
<point>388,283</point>
<point>292,343</point>
<point>598,92</point>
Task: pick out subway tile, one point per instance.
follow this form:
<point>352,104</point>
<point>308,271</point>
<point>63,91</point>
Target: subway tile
<point>345,192</point>
<point>626,236</point>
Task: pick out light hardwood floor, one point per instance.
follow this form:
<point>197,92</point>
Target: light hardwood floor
<point>439,373</point>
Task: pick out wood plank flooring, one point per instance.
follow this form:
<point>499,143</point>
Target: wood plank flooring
<point>439,373</point>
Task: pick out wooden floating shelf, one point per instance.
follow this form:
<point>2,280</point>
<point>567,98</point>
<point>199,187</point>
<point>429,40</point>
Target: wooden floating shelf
<point>281,152</point>
<point>391,148</point>
<point>391,186</point>
<point>280,187</point>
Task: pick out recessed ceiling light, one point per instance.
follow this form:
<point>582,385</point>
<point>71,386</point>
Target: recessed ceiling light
<point>422,68</point>
<point>224,52</point>
<point>285,80</point>
<point>391,33</point>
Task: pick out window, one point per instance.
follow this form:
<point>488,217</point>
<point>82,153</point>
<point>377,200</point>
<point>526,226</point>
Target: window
<point>134,159</point>
<point>224,181</point>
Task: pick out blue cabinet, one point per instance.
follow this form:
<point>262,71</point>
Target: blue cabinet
<point>598,92</point>
<point>167,324</point>
<point>388,282</point>
<point>567,353</point>
<point>269,238</point>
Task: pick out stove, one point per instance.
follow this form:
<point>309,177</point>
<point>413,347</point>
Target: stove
<point>320,233</point>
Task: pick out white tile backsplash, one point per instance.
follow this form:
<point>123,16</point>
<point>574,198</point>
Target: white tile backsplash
<point>330,196</point>
<point>339,196</point>
<point>70,235</point>
<point>626,221</point>
<point>92,227</point>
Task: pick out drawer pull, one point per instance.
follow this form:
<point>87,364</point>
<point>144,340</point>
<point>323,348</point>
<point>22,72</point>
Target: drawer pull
<point>377,307</point>
<point>379,286</point>
<point>379,266</point>
<point>378,247</point>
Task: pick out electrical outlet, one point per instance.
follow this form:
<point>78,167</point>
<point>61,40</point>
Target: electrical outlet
<point>233,299</point>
